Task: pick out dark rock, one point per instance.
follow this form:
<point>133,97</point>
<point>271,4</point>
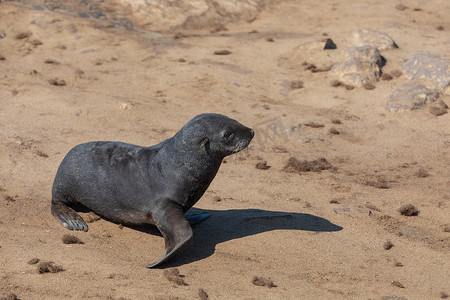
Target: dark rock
<point>222,52</point>
<point>438,111</point>
<point>329,45</point>
<point>296,84</point>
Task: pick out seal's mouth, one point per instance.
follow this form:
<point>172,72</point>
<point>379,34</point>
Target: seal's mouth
<point>241,146</point>
<point>244,141</point>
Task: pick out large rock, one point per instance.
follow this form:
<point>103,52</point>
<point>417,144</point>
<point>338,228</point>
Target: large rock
<point>159,15</point>
<point>194,13</point>
<point>411,96</point>
<point>429,67</point>
<point>362,65</point>
<point>377,39</point>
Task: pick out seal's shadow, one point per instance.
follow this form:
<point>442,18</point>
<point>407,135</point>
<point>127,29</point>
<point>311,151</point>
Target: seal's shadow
<point>226,225</point>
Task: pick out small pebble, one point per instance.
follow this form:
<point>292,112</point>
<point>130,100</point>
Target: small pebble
<point>296,84</point>
<point>397,284</point>
<point>442,104</point>
<point>401,7</point>
<point>33,261</point>
<point>369,86</point>
<point>388,245</point>
<point>202,294</point>
<point>333,131</point>
<point>57,82</point>
<point>261,281</point>
<point>262,165</point>
<point>438,110</point>
<point>386,76</point>
<point>396,73</point>
<point>222,52</point>
<point>336,83</point>
<point>23,35</point>
<point>408,210</point>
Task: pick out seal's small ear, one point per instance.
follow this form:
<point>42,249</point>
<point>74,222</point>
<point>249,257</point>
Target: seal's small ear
<point>203,142</point>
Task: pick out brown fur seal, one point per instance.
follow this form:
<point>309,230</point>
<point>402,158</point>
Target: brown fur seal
<point>155,185</point>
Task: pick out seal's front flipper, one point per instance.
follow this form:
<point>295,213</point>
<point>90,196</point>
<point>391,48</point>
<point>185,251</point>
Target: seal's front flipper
<point>68,217</point>
<point>197,218</point>
<point>176,231</point>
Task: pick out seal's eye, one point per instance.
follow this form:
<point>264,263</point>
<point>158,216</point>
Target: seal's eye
<point>228,135</point>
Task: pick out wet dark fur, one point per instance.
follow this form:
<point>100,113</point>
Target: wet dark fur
<point>154,185</point>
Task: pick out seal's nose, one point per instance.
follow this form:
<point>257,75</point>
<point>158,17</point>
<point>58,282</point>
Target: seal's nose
<point>252,133</point>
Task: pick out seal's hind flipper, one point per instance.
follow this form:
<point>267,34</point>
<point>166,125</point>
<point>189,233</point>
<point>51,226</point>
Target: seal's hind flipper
<point>197,218</point>
<point>68,217</point>
<point>175,251</point>
<point>176,231</point>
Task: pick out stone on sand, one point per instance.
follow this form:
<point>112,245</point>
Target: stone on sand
<point>164,14</point>
<point>429,67</point>
<point>411,96</point>
<point>377,39</point>
<point>362,65</point>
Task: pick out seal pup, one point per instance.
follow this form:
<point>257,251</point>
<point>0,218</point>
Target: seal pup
<point>155,185</point>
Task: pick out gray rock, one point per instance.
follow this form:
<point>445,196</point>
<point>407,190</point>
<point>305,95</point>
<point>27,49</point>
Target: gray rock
<point>377,39</point>
<point>411,96</point>
<point>429,67</point>
<point>362,65</point>
<point>2,34</point>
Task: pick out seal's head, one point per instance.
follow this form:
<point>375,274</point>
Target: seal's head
<point>219,135</point>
